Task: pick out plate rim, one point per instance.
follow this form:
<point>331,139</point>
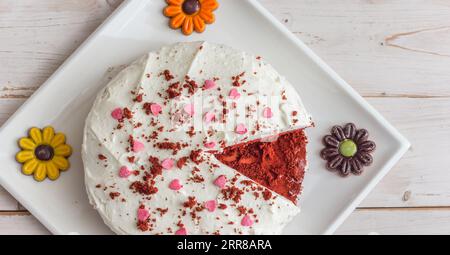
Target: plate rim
<point>402,143</point>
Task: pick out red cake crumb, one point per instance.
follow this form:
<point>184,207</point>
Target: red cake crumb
<point>222,206</point>
<point>247,183</point>
<point>154,135</point>
<point>191,132</point>
<point>197,179</point>
<point>131,141</point>
<point>191,85</point>
<point>102,157</point>
<point>242,210</point>
<point>162,211</point>
<point>277,165</point>
<point>143,226</point>
<point>174,90</point>
<point>131,159</point>
<point>138,98</point>
<point>167,75</point>
<point>237,80</point>
<point>196,157</point>
<point>143,188</point>
<point>175,147</point>
<point>156,168</point>
<point>113,195</point>
<point>195,170</point>
<point>190,203</point>
<point>127,113</point>
<point>182,162</point>
<point>232,193</point>
<point>267,194</point>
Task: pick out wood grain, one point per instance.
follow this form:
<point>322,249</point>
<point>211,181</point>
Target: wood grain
<point>421,178</point>
<point>424,221</point>
<point>395,53</point>
<point>382,48</point>
<point>20,224</point>
<point>37,38</point>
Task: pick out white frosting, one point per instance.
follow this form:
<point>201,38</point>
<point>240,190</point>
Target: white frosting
<point>200,61</point>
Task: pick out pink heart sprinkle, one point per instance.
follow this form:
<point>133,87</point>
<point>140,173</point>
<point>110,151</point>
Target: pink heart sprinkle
<point>234,94</point>
<point>209,116</point>
<point>267,113</point>
<point>246,221</point>
<point>124,172</point>
<point>168,164</point>
<point>209,84</point>
<point>220,181</point>
<point>137,146</point>
<point>117,114</point>
<point>211,205</point>
<point>241,129</point>
<point>181,232</point>
<point>175,185</point>
<point>189,109</point>
<point>210,145</point>
<point>156,109</point>
<point>143,214</point>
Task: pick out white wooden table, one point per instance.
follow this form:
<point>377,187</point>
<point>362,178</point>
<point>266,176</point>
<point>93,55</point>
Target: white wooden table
<point>396,53</point>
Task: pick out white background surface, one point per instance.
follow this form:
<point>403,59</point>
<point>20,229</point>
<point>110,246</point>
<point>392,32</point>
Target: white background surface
<point>392,52</point>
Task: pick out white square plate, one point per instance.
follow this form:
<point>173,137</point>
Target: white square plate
<point>137,27</point>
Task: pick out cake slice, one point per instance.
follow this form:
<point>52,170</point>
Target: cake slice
<point>278,163</point>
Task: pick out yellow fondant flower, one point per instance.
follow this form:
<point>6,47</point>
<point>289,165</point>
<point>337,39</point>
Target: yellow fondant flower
<point>44,154</point>
<point>191,15</point>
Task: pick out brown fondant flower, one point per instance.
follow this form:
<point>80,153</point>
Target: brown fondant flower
<point>348,149</point>
<point>190,15</point>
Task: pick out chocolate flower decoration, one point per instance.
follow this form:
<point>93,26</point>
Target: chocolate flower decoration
<point>348,149</point>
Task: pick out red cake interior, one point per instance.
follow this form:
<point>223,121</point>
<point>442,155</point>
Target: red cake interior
<point>278,164</point>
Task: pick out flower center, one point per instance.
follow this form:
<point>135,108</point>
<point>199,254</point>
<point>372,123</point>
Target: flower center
<point>44,152</point>
<point>191,6</point>
<point>348,148</point>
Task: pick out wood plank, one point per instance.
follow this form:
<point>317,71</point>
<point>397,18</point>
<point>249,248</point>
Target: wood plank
<point>388,48</point>
<point>36,38</point>
<point>421,178</point>
<point>397,222</point>
<point>391,48</point>
<point>21,224</point>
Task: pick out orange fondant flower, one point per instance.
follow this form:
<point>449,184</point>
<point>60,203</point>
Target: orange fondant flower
<point>191,15</point>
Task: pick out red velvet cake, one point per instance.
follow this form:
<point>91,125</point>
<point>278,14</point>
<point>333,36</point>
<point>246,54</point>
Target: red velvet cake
<point>278,165</point>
